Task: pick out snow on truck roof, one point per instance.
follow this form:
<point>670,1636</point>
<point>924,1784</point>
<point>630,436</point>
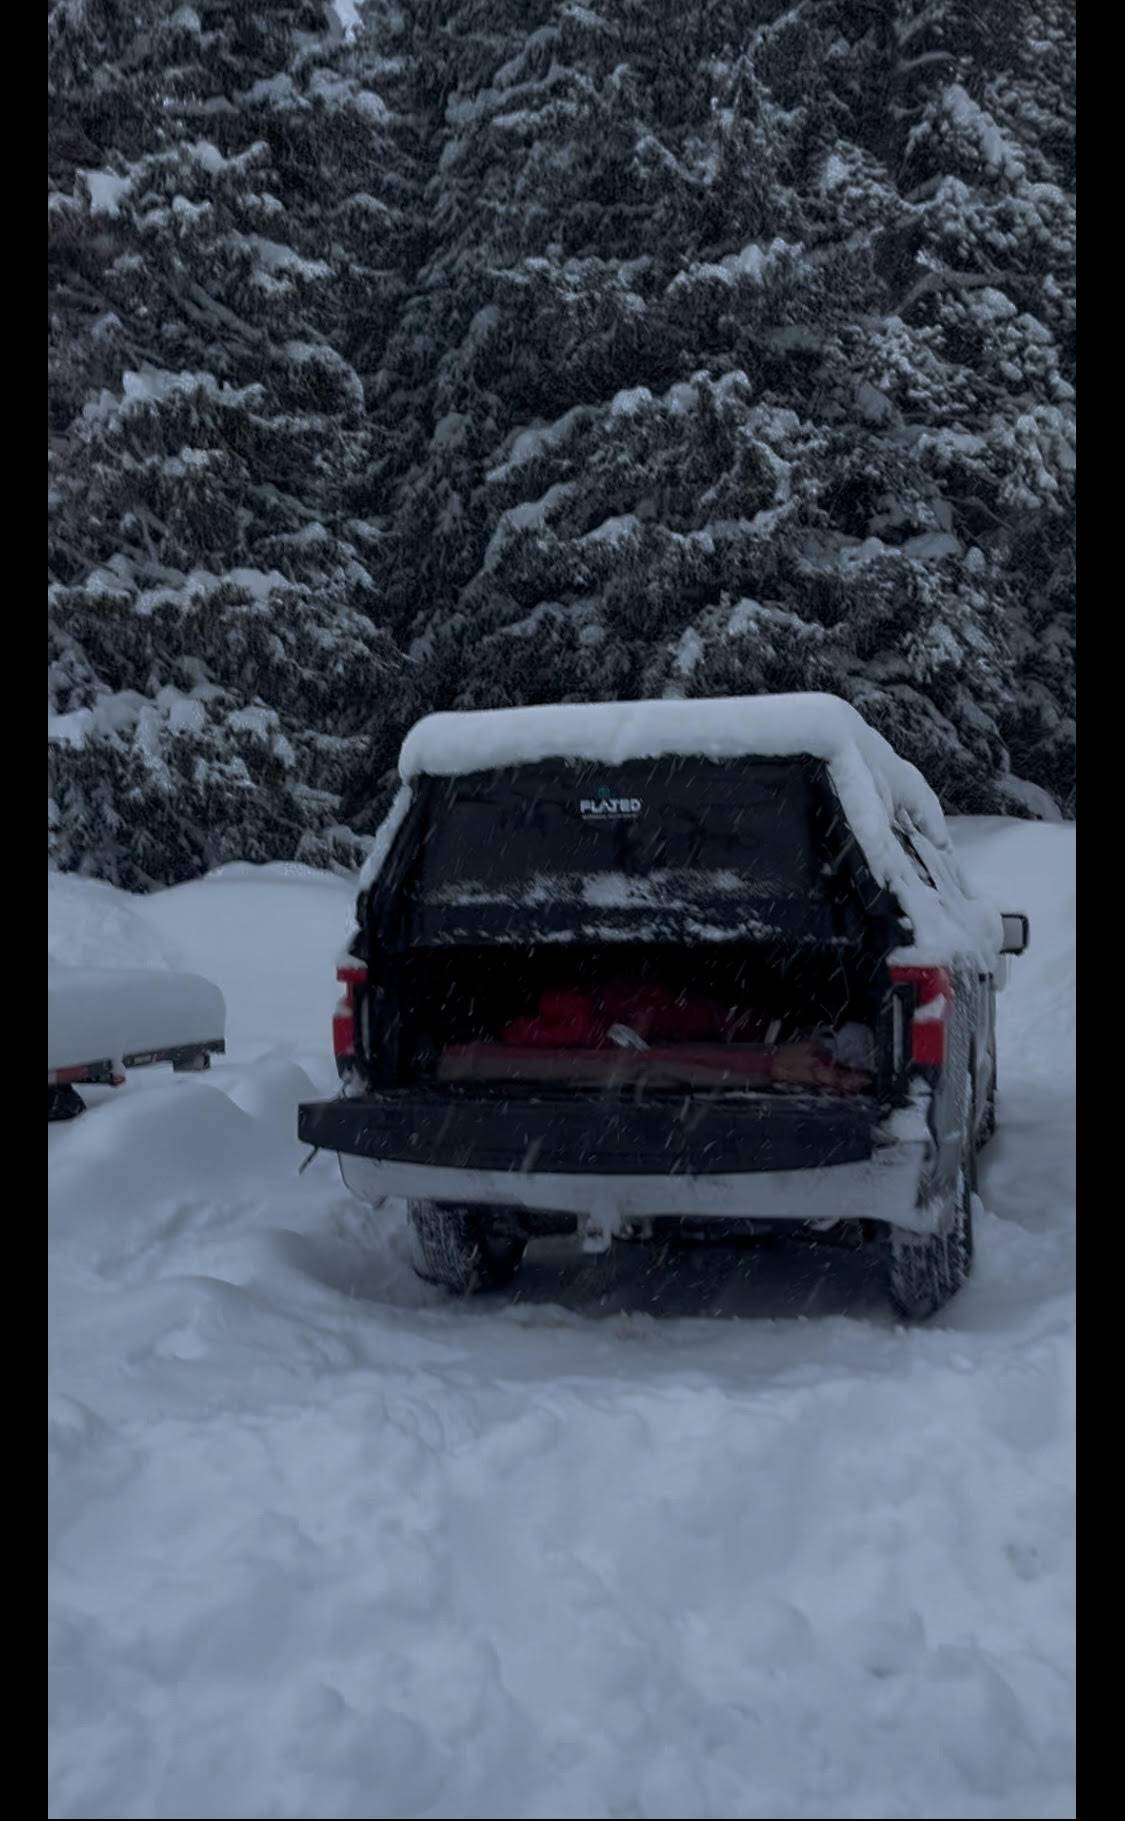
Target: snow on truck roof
<point>876,788</point>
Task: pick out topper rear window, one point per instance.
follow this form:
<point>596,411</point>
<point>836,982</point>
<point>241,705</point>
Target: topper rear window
<point>672,836</point>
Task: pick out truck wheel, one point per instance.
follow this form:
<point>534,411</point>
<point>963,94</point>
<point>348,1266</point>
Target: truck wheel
<point>925,1271</point>
<point>988,1122</point>
<point>64,1103</point>
<point>464,1249</point>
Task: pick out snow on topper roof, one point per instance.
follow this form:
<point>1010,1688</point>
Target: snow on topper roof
<point>823,726</point>
<point>876,787</point>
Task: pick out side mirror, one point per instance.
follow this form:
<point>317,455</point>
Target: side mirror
<point>1017,933</point>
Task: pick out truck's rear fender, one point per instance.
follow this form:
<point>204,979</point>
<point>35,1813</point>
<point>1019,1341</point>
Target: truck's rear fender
<point>946,1091</point>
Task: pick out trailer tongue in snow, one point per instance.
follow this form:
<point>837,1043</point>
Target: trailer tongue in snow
<point>625,969</point>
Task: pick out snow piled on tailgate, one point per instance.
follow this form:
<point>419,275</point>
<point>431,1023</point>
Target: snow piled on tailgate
<point>875,786</point>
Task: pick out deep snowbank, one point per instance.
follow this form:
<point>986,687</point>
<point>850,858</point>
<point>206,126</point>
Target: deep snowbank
<point>326,1544</point>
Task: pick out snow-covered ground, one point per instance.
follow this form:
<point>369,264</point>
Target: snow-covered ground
<point>724,1542</point>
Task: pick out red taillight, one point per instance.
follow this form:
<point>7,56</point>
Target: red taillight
<point>343,1018</point>
<point>933,1007</point>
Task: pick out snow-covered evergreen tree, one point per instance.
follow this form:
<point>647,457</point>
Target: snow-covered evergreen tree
<point>510,350</point>
<point>219,264</point>
<point>750,348</point>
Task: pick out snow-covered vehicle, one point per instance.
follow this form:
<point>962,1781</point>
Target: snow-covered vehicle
<point>692,968</point>
<point>102,1021</point>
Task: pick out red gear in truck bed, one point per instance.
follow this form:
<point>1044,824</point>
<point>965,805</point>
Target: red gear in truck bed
<point>571,1019</point>
<point>683,1040</point>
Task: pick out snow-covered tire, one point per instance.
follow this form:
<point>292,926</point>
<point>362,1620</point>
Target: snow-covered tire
<point>464,1249</point>
<point>925,1271</point>
<point>64,1103</point>
<point>988,1120</point>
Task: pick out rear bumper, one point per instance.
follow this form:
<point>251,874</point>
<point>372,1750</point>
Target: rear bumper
<point>763,1158</point>
<point>884,1188</point>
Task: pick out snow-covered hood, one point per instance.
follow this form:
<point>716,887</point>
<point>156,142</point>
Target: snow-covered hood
<point>875,786</point>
